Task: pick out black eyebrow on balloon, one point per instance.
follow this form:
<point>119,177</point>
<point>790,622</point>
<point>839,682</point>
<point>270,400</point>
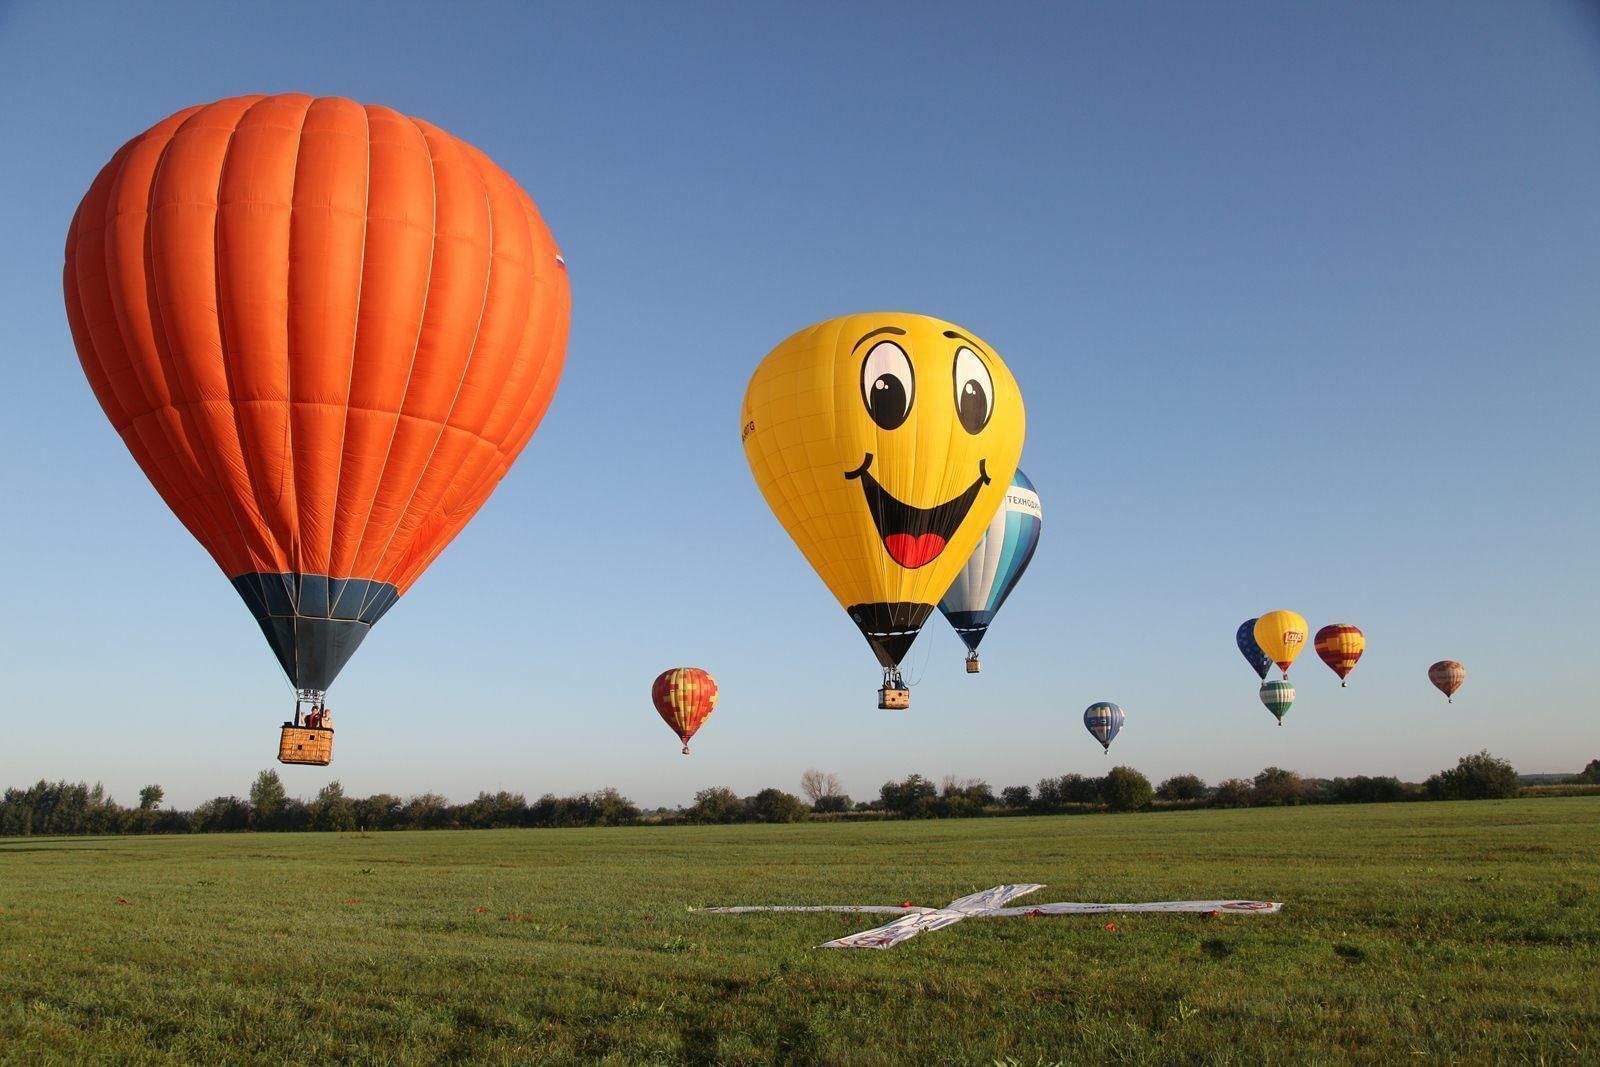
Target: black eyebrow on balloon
<point>953,335</point>
<point>874,333</point>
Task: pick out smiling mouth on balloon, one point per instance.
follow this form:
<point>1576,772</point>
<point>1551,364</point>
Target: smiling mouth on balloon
<point>914,537</point>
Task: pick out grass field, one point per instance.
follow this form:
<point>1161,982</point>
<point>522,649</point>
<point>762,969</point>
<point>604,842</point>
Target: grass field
<point>1452,932</point>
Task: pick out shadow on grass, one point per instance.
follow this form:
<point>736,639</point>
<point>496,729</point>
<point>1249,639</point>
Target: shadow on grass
<point>7,850</point>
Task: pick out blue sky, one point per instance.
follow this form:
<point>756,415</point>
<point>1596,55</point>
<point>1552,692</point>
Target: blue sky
<point>1302,299</point>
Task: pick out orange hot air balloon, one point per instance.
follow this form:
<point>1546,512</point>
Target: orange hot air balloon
<point>1447,676</point>
<point>325,331</point>
<point>684,697</point>
<point>1340,646</point>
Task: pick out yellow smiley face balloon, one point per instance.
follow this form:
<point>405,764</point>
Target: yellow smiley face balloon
<point>884,444</point>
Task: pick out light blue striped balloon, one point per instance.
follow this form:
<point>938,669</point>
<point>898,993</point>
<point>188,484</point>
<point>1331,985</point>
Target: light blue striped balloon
<point>996,565</point>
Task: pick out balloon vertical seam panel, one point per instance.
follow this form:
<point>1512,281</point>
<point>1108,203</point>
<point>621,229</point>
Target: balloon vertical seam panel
<point>347,326</point>
<point>104,321</point>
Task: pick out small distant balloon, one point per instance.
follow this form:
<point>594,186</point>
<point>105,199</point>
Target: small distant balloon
<point>684,697</point>
<point>1340,646</point>
<point>1278,696</point>
<point>1281,635</point>
<point>1447,676</point>
<point>1104,720</point>
<point>1245,638</point>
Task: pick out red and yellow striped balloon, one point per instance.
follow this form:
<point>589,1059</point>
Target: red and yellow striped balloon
<point>685,697</point>
<point>1447,676</point>
<point>1340,646</point>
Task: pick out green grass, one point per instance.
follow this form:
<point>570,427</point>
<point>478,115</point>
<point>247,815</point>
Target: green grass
<point>1465,932</point>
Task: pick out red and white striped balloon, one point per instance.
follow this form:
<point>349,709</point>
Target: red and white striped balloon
<point>1447,676</point>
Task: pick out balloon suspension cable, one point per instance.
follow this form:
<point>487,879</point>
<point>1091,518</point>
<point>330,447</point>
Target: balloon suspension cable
<point>892,679</point>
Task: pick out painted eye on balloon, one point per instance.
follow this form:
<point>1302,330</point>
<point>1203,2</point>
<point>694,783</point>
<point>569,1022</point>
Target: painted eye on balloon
<point>888,385</point>
<point>974,391</point>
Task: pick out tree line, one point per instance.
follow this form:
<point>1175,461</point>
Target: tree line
<point>55,808</point>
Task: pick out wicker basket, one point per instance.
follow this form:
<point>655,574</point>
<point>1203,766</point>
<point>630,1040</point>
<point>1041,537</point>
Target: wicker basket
<point>973,666</point>
<point>894,699</point>
<point>301,744</point>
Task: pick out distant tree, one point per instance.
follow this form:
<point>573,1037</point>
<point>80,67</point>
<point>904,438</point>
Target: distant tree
<point>1590,774</point>
<point>715,805</point>
<point>550,811</point>
<point>101,814</point>
<point>1125,789</point>
<point>774,805</point>
<point>380,811</point>
<point>1276,786</point>
<point>267,798</point>
<point>1182,787</point>
<point>1078,789</point>
<point>1055,793</point>
<point>913,796</point>
<point>611,808</point>
<point>332,810</point>
<point>1016,796</point>
<point>1364,790</point>
<point>296,815</point>
<point>817,784</point>
<point>832,803</point>
<point>494,811</point>
<point>1232,793</point>
<point>150,797</point>
<point>221,815</point>
<point>961,798</point>
<point>427,811</point>
<point>1476,777</point>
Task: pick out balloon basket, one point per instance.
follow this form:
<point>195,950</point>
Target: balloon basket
<point>973,666</point>
<point>306,745</point>
<point>891,699</point>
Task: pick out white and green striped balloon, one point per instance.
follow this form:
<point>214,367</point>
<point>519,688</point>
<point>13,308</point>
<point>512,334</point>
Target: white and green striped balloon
<point>1278,696</point>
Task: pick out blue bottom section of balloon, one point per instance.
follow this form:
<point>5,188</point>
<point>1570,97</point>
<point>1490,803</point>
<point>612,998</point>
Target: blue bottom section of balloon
<point>314,623</point>
<point>970,625</point>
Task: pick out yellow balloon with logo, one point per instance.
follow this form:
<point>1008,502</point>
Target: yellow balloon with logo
<point>1281,635</point>
<point>884,444</point>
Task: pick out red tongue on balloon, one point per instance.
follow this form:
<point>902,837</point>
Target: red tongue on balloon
<point>912,552</point>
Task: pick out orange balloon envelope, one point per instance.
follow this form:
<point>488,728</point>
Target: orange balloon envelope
<point>1340,646</point>
<point>684,697</point>
<point>325,331</point>
<point>1447,676</point>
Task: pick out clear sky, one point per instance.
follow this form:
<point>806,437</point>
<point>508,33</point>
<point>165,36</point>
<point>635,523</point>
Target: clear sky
<point>1304,300</point>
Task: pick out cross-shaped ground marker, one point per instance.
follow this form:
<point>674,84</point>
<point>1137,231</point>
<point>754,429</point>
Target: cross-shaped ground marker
<point>988,904</point>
